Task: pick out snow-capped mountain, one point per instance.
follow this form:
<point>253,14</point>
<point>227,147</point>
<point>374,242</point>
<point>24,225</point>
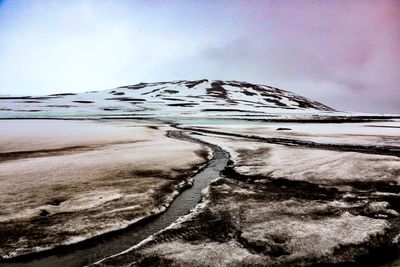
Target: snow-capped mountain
<point>176,98</point>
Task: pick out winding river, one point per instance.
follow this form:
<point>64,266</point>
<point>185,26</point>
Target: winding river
<point>109,244</point>
<point>103,246</point>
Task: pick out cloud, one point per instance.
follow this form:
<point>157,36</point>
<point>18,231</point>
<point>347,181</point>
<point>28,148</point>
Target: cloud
<point>343,53</point>
<point>347,50</point>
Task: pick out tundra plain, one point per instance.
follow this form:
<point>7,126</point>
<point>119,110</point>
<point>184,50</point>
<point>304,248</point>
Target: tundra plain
<point>196,173</point>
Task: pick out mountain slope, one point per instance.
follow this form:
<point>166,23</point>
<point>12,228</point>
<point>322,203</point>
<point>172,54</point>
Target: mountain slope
<point>190,98</point>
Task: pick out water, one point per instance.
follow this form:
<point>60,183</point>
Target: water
<point>109,244</point>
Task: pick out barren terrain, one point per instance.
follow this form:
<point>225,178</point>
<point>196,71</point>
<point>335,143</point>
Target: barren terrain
<point>279,205</point>
<point>196,173</point>
<point>87,178</point>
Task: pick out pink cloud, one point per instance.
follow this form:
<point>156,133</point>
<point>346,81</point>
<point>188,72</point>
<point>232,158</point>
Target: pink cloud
<point>352,45</point>
<point>354,38</point>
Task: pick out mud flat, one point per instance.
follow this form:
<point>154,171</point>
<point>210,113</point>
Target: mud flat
<point>281,205</point>
<point>62,182</point>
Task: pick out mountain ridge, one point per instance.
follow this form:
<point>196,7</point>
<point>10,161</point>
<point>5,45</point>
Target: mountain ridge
<point>182,97</point>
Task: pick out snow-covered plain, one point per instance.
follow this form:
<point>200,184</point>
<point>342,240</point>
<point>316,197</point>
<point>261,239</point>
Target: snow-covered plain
<point>358,133</point>
<point>248,224</point>
<point>284,205</point>
<point>334,200</point>
<point>87,178</point>
<point>318,166</point>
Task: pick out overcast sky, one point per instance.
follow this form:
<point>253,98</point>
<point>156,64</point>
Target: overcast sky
<point>345,54</point>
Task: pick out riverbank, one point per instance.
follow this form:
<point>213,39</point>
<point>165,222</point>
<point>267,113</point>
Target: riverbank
<point>304,195</point>
<point>286,204</point>
<point>63,182</point>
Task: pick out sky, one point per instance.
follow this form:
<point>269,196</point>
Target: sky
<point>345,54</point>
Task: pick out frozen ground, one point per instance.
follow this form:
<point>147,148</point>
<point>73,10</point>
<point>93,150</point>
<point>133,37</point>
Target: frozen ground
<point>280,205</point>
<point>362,133</point>
<point>65,181</point>
<point>305,185</point>
<point>248,224</point>
<point>320,166</point>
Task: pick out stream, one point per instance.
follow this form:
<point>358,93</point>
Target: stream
<point>100,247</point>
<point>112,243</point>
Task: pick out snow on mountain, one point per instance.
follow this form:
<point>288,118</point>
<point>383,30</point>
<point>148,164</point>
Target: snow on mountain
<point>176,98</point>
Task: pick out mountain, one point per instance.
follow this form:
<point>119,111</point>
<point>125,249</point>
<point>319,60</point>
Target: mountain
<point>176,98</point>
